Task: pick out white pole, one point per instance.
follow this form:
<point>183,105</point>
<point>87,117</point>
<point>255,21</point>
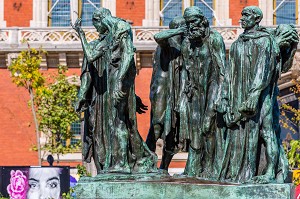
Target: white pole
<point>161,12</point>
<point>93,4</point>
<point>279,6</point>
<point>214,13</point>
<point>56,2</point>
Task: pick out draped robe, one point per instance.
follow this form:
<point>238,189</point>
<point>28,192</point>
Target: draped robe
<point>164,94</point>
<point>105,126</point>
<point>254,65</point>
<point>203,68</point>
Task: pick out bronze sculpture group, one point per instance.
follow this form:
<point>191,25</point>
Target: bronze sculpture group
<point>224,112</point>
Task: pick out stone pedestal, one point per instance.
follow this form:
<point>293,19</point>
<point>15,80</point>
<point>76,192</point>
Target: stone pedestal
<point>122,187</point>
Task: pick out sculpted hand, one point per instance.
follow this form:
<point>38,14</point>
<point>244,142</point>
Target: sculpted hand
<point>222,106</point>
<point>231,119</point>
<point>249,107</point>
<point>228,118</point>
<point>77,25</point>
<point>140,107</point>
<point>188,90</point>
<point>118,94</point>
<point>80,105</point>
<point>183,30</point>
<point>206,124</point>
<point>284,37</point>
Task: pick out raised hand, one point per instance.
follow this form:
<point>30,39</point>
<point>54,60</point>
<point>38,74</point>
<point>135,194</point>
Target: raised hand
<point>77,25</point>
<point>184,30</point>
<point>285,35</point>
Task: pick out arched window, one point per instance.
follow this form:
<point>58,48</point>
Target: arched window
<point>59,13</point>
<point>86,9</point>
<point>285,11</point>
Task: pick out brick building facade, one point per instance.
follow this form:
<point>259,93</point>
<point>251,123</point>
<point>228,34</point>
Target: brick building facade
<point>30,19</point>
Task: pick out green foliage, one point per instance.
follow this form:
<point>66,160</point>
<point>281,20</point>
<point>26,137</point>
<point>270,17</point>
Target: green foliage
<point>25,73</point>
<point>293,154</point>
<point>25,69</point>
<point>81,171</point>
<point>292,148</point>
<point>53,103</point>
<point>2,197</point>
<point>296,177</point>
<point>68,195</point>
<point>56,113</point>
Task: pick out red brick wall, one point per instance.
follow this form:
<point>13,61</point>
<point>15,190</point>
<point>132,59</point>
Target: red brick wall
<point>236,7</point>
<point>142,89</point>
<point>17,128</point>
<point>17,132</point>
<point>133,10</point>
<point>18,12</point>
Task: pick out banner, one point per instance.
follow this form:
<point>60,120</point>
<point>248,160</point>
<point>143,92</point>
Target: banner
<point>34,182</point>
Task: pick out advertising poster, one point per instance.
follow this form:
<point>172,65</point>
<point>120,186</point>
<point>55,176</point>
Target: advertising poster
<point>34,182</point>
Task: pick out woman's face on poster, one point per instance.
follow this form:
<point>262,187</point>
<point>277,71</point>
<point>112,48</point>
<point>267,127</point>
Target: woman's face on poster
<point>44,183</point>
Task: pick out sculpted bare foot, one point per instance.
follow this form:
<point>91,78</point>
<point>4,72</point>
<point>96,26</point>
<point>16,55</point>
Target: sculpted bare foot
<point>263,179</point>
<point>120,169</point>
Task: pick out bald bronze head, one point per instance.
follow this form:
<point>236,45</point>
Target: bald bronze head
<point>251,17</point>
<point>99,16</point>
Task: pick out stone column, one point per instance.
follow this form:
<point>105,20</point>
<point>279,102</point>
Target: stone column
<point>111,5</point>
<point>74,10</point>
<point>44,62</point>
<point>267,8</point>
<point>156,10</point>
<point>296,65</point>
<point>2,22</point>
<point>62,58</point>
<point>152,9</point>
<point>13,37</point>
<point>39,15</point>
<point>80,57</point>
<point>186,3</point>
<point>10,57</point>
<point>298,12</point>
<point>222,12</point>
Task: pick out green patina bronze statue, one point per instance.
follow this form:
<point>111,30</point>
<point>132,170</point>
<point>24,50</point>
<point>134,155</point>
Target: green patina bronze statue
<point>227,113</point>
<point>232,125</point>
<point>203,53</point>
<point>249,102</point>
<point>107,97</point>
<point>164,91</point>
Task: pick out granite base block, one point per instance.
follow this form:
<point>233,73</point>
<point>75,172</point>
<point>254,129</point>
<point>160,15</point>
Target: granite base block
<point>94,188</point>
